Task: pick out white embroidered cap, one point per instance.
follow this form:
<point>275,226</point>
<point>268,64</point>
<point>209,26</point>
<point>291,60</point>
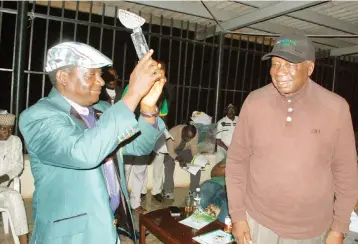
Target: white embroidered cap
<point>6,119</point>
<point>77,54</point>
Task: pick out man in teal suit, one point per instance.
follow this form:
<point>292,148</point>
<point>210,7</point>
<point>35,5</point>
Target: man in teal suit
<point>76,156</point>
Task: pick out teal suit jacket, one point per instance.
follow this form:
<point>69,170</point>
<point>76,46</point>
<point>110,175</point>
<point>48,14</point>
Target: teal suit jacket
<point>71,202</point>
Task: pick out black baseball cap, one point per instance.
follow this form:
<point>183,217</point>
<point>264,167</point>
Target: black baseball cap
<point>295,48</point>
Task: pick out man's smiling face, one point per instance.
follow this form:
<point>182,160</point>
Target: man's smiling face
<point>289,78</point>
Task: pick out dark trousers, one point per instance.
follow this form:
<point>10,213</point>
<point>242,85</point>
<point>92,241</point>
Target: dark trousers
<point>169,166</point>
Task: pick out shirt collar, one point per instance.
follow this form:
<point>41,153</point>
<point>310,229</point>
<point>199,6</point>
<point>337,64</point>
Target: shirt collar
<point>79,109</point>
<point>111,92</point>
<point>228,119</point>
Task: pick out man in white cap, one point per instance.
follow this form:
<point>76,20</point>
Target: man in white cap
<point>11,165</point>
<point>225,130</point>
<point>76,157</point>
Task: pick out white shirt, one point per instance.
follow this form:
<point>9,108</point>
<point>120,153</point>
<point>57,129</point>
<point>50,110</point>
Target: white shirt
<point>79,109</point>
<point>111,93</point>
<point>161,145</point>
<point>354,222</point>
<point>11,157</point>
<point>225,129</point>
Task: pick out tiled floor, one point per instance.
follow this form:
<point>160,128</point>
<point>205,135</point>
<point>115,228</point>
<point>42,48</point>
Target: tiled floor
<point>149,203</point>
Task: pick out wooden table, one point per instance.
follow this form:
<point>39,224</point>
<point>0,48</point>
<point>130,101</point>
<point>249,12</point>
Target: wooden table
<point>168,229</point>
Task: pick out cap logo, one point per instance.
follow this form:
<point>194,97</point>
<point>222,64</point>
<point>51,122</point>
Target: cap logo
<point>286,42</point>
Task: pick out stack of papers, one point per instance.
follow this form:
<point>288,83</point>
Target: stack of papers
<point>192,169</point>
<point>198,162</point>
<point>215,237</point>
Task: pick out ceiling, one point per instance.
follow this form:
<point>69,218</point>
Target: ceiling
<point>331,24</point>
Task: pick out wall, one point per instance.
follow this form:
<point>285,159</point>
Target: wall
<point>181,177</point>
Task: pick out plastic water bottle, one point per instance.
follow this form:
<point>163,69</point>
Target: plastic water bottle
<point>193,197</point>
<point>139,42</point>
<point>197,198</point>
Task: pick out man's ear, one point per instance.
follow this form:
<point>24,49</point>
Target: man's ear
<point>310,65</point>
<point>62,77</point>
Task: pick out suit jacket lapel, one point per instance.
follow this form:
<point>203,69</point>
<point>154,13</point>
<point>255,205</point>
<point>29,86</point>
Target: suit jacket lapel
<point>122,215</point>
<point>113,155</point>
<point>77,118</point>
<point>58,100</point>
<point>123,208</point>
<point>98,113</point>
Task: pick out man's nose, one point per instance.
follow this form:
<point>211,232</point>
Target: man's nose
<point>279,70</point>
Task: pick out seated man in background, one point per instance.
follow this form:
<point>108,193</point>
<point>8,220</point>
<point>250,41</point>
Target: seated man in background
<point>11,165</point>
<point>182,148</point>
<point>213,191</point>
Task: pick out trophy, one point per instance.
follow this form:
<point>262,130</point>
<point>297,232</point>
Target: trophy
<point>134,22</point>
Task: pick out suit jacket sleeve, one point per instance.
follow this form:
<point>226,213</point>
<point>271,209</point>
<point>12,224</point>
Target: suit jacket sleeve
<point>52,136</point>
<point>145,142</point>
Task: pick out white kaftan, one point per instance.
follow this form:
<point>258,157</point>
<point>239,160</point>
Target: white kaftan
<point>12,164</point>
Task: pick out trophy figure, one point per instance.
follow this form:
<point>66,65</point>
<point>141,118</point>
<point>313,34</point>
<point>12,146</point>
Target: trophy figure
<point>134,22</point>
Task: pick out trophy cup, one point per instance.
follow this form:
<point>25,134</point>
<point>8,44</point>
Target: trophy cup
<point>134,22</point>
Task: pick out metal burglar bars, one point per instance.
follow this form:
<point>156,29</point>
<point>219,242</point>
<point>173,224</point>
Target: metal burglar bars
<point>17,86</point>
<point>203,75</point>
